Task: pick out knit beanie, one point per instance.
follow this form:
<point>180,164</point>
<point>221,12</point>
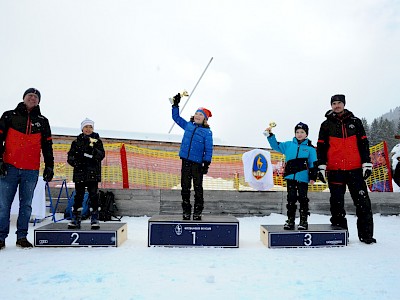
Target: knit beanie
<point>33,91</point>
<point>87,122</point>
<point>340,98</point>
<point>301,126</point>
<point>207,114</point>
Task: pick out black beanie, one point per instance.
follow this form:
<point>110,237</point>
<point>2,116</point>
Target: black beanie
<point>340,98</point>
<point>301,126</point>
<point>33,91</point>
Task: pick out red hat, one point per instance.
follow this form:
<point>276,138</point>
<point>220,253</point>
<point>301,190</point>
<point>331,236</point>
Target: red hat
<point>207,114</point>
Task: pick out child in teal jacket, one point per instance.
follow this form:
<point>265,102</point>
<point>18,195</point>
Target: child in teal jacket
<point>300,169</point>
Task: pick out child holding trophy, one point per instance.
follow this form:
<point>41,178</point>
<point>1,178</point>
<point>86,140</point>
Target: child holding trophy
<point>300,169</point>
<point>85,157</point>
<point>196,154</point>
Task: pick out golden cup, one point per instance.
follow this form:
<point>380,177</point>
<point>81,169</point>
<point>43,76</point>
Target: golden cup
<point>92,141</point>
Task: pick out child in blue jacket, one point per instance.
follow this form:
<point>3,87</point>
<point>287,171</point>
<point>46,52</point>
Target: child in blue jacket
<point>300,169</point>
<point>196,154</point>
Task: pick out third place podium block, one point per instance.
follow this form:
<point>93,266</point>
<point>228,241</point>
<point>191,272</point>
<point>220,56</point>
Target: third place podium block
<point>317,235</point>
<point>211,231</point>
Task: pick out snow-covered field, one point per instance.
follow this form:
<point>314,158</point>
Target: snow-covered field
<point>252,271</point>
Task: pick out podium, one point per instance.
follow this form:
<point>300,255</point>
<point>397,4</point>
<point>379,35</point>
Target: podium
<point>317,235</point>
<point>211,231</point>
<point>58,235</point>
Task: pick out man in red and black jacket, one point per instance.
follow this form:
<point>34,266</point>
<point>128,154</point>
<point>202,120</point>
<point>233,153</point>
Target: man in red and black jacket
<point>24,133</point>
<point>343,154</point>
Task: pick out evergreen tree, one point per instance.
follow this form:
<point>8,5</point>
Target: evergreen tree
<point>373,138</point>
<point>398,127</point>
<point>366,126</point>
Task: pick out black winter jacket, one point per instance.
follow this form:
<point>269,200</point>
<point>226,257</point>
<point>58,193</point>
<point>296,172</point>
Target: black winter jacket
<point>86,159</point>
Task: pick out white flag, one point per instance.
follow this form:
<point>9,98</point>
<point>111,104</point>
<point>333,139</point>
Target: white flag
<point>258,169</point>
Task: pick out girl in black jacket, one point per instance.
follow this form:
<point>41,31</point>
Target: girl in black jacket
<point>85,157</point>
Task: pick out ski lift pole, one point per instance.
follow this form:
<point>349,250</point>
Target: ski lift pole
<point>190,95</point>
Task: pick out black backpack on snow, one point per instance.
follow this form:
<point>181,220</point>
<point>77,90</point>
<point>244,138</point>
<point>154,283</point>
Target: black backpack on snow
<point>108,207</point>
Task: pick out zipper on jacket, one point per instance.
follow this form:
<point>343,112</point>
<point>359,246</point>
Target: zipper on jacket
<point>28,125</point>
<point>297,156</point>
<point>344,133</point>
<point>191,139</point>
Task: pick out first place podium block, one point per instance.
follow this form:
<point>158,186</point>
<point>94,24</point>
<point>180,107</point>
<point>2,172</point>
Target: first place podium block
<point>211,231</point>
<point>317,235</point>
<point>58,235</point>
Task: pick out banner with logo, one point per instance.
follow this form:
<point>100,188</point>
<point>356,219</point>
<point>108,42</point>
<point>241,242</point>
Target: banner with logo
<point>258,169</point>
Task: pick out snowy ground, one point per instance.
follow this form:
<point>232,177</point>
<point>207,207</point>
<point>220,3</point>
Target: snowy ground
<point>252,271</point>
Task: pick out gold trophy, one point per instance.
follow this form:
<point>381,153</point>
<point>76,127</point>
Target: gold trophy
<point>92,141</point>
<point>272,124</point>
<point>184,93</point>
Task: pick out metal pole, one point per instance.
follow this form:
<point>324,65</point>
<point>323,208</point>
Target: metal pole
<point>190,95</point>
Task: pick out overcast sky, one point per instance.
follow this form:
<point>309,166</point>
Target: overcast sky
<point>117,62</point>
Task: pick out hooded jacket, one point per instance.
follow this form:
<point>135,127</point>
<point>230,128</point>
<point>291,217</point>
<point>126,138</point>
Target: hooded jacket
<point>23,135</point>
<point>342,142</point>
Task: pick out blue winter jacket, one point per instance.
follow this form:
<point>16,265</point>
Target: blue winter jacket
<point>197,141</point>
<point>292,150</point>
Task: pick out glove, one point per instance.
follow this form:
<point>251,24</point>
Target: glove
<point>3,170</point>
<point>176,99</point>
<point>48,174</point>
<point>367,170</point>
<point>204,168</point>
<point>88,151</point>
<point>322,173</point>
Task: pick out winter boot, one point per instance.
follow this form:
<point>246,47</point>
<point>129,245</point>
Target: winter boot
<point>198,210</point>
<point>303,225</point>
<point>75,222</point>
<point>24,243</point>
<point>289,224</point>
<point>368,240</point>
<point>339,222</point>
<point>291,213</point>
<point>94,220</point>
<point>187,208</point>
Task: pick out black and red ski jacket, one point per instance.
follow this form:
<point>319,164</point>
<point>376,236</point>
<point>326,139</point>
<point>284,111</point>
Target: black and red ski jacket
<point>342,142</point>
<point>23,135</point>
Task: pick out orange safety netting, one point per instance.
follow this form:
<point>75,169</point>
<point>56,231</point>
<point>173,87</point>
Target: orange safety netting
<point>129,166</point>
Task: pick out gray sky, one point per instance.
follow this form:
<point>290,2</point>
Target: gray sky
<point>117,62</point>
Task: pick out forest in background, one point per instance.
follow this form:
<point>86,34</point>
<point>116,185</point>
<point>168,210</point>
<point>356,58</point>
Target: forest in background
<point>384,128</point>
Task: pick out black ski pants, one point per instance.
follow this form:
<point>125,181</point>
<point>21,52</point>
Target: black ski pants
<point>92,188</point>
<point>192,171</point>
<point>337,181</point>
<point>296,191</point>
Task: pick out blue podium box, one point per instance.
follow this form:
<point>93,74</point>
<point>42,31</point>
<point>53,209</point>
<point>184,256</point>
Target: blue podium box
<point>317,235</point>
<point>58,235</point>
<point>211,231</point>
